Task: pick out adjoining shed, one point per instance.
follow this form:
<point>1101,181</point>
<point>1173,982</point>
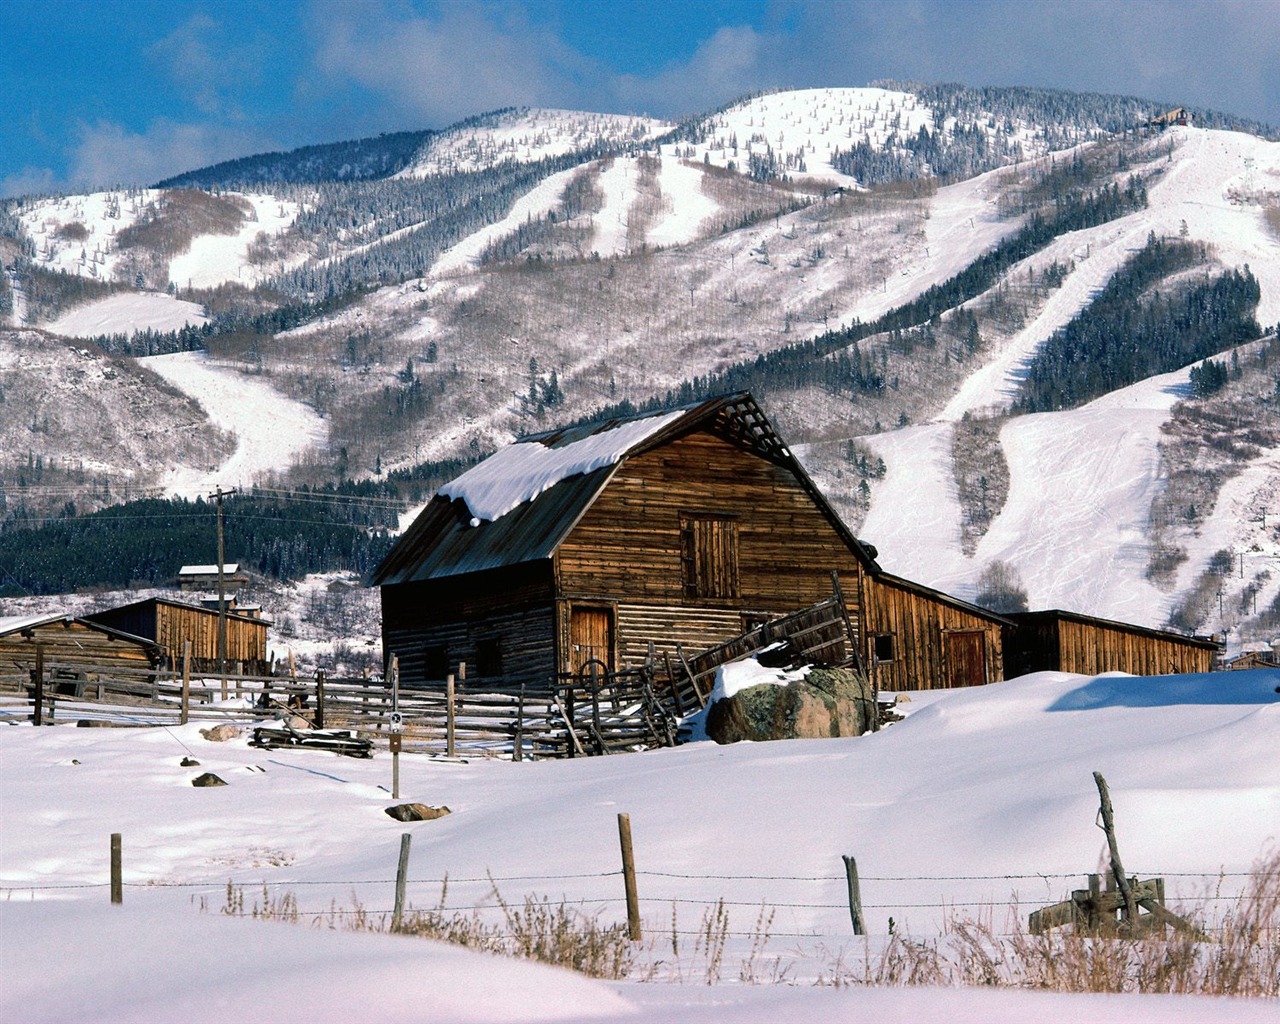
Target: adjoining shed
<point>920,638</point>
<point>64,640</point>
<point>1070,642</point>
<point>591,543</point>
<point>169,624</point>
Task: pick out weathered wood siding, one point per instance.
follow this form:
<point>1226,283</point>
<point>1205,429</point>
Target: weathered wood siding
<point>628,547</point>
<point>513,608</point>
<point>171,624</point>
<point>69,642</point>
<point>1045,641</point>
<point>920,625</point>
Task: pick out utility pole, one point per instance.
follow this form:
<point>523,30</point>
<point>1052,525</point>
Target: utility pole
<point>218,495</point>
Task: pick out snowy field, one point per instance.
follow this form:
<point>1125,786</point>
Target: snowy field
<point>979,804</point>
<point>126,313</point>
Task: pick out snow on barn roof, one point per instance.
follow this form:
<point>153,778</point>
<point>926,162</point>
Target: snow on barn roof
<point>522,471</point>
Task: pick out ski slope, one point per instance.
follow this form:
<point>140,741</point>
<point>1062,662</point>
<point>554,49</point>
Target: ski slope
<point>1082,481</point>
<point>126,313</point>
<point>271,430</point>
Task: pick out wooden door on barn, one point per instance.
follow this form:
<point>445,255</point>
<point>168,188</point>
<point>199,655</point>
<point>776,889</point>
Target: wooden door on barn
<point>966,658</point>
<point>590,637</point>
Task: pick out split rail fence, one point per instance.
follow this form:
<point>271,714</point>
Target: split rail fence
<point>595,711</point>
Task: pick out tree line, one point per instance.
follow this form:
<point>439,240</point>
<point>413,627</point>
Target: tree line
<point>1134,330</point>
<point>282,535</point>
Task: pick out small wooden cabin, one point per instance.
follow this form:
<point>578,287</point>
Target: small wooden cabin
<point>67,640</point>
<point>592,542</point>
<point>171,623</point>
<point>205,577</point>
<point>1070,642</point>
<point>920,638</point>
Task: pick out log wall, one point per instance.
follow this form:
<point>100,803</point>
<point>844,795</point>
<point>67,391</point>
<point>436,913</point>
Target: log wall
<point>920,624</point>
<point>512,607</point>
<point>628,545</point>
<point>69,641</point>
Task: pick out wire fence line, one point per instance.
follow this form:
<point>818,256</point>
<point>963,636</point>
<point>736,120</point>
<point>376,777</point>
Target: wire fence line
<point>12,887</point>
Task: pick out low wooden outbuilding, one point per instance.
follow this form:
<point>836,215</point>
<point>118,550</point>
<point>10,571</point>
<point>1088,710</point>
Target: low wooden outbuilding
<point>920,638</point>
<point>1065,641</point>
<point>171,623</point>
<point>75,644</point>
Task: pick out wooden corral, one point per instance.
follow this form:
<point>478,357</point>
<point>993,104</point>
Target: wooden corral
<point>1069,642</point>
<point>169,624</point>
<point>917,638</point>
<point>66,639</point>
<point>703,527</point>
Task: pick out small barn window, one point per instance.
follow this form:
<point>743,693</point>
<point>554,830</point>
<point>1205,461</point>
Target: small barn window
<point>436,664</point>
<point>489,658</point>
<point>709,554</point>
<point>883,644</point>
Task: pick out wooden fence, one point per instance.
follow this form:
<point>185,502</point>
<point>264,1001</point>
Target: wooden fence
<point>594,712</point>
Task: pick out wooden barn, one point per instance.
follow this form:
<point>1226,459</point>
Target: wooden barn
<point>69,641</point>
<point>690,526</point>
<point>1070,642</point>
<point>169,624</point>
<point>590,543</point>
<point>920,638</point>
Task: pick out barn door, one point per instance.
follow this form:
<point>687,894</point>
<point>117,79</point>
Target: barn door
<point>590,637</point>
<point>966,658</point>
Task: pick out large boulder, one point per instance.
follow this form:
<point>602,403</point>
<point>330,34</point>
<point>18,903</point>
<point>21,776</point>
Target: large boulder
<point>830,702</point>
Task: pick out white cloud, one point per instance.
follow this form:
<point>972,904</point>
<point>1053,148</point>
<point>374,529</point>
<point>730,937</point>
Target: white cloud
<point>29,181</point>
<point>110,154</point>
<point>204,64</point>
<point>438,69</point>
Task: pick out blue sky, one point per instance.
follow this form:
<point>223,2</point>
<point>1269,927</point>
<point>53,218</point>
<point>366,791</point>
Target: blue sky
<point>111,92</point>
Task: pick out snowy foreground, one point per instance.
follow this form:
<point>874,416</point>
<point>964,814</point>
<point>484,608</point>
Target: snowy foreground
<point>979,804</point>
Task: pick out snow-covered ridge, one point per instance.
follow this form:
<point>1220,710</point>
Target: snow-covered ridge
<point>78,235</point>
<point>525,136</point>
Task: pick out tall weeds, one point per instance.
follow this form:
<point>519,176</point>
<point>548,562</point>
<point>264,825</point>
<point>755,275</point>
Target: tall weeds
<point>1237,956</point>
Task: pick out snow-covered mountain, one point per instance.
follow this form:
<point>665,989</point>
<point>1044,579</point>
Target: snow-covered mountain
<point>531,266</point>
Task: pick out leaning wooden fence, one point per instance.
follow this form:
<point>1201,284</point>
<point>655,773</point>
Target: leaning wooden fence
<point>595,711</point>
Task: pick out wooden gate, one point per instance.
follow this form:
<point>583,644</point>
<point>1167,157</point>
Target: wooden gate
<point>590,637</point>
<point>966,658</point>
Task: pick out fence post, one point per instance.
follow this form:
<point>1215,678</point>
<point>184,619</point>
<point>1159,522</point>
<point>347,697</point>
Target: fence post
<point>629,877</point>
<point>186,681</point>
<point>38,680</point>
<point>517,751</point>
<point>402,874</point>
<point>320,698</point>
<point>117,883</point>
<point>1117,869</point>
<point>855,895</point>
<point>449,711</point>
